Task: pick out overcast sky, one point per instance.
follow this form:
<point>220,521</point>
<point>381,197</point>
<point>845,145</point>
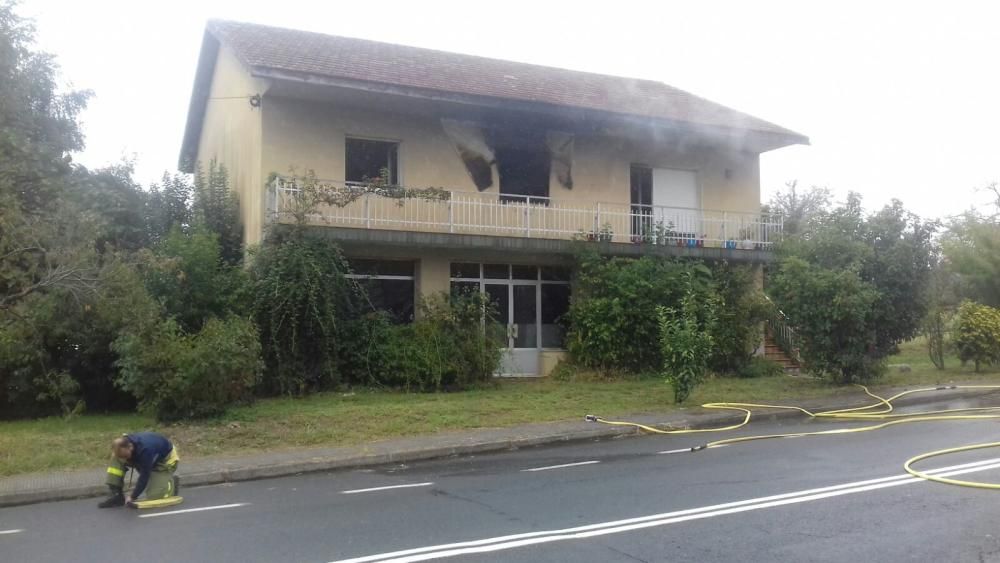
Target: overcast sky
<point>900,99</point>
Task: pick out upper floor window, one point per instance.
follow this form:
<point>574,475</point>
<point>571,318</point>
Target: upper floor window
<point>524,172</point>
<point>367,158</point>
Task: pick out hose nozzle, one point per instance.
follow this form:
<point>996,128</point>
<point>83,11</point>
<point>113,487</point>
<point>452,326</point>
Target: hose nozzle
<point>590,418</point>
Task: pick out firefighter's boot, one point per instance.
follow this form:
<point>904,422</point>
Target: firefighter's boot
<point>116,499</point>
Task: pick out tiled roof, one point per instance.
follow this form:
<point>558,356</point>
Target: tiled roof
<point>315,54</point>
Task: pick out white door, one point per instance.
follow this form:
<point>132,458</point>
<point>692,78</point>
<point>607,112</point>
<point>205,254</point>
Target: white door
<point>678,189</point>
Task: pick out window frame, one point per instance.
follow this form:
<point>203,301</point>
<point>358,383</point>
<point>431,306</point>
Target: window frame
<point>398,172</point>
<point>389,277</point>
<point>538,282</point>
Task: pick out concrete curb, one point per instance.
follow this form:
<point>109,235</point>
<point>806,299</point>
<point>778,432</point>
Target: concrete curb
<point>252,471</point>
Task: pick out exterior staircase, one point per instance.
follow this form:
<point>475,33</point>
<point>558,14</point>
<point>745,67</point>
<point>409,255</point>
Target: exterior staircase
<point>781,344</point>
<point>774,352</point>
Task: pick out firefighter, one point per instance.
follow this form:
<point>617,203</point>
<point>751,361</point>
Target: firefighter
<point>153,456</point>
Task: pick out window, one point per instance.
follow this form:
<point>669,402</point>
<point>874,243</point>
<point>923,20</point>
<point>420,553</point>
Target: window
<point>389,286</point>
<point>523,172</point>
<point>538,297</point>
<point>366,159</point>
<point>555,304</point>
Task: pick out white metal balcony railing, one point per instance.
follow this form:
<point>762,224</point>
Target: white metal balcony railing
<point>526,216</point>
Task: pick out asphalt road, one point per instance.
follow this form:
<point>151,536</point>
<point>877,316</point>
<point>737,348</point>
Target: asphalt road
<point>619,500</point>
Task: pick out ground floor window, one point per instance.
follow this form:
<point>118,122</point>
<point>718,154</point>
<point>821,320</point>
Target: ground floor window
<point>389,285</point>
<point>530,300</point>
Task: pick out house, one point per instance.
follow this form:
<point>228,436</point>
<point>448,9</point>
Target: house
<point>528,162</point>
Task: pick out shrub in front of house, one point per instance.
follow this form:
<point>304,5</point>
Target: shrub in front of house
<point>760,367</point>
<point>300,300</point>
<point>742,311</point>
<point>176,375</point>
<point>613,322</point>
<point>686,341</point>
<point>453,344</point>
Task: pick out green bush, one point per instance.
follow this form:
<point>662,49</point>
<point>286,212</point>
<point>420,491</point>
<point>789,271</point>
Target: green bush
<point>448,346</point>
<point>854,286</point>
<point>187,275</point>
<point>686,342</point>
<point>976,335</point>
<point>831,310</point>
<point>613,323</point>
<point>61,336</point>
<point>300,300</point>
<point>742,312</point>
<point>761,367</point>
<point>179,376</point>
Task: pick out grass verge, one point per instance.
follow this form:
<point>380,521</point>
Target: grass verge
<point>336,419</point>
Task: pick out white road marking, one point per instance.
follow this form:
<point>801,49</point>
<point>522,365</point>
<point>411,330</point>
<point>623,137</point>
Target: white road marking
<point>3,532</point>
<point>682,450</point>
<point>619,526</point>
<point>355,491</point>
<point>186,510</point>
<point>561,466</point>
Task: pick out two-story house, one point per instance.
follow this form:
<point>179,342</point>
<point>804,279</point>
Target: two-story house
<point>531,160</point>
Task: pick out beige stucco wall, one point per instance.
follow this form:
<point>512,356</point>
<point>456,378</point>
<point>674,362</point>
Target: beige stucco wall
<point>549,360</point>
<point>231,134</point>
<point>310,135</point>
<point>433,275</point>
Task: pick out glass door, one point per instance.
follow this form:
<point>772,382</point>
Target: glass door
<point>516,305</point>
<point>524,328</point>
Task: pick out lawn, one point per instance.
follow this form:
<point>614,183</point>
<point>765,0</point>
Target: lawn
<point>333,419</point>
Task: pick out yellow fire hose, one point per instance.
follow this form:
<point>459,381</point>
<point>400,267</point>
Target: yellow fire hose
<point>158,503</point>
<point>868,412</point>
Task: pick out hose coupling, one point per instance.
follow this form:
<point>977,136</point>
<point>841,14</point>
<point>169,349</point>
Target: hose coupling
<point>699,448</point>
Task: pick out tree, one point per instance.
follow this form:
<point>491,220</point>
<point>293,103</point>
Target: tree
<point>799,207</point>
<point>217,207</point>
<point>943,297</point>
<point>38,127</point>
<point>38,131</point>
<point>117,203</point>
<point>168,206</point>
<point>972,247</point>
<point>856,286</point>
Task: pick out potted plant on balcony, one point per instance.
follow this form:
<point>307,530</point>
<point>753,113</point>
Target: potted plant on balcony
<point>606,234</point>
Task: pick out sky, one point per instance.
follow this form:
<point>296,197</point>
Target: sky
<point>900,99</point>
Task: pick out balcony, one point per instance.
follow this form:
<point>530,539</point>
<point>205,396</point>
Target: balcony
<point>392,208</point>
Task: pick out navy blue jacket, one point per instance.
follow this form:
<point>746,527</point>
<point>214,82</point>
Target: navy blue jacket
<point>148,449</point>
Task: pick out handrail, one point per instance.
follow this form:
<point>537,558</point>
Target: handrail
<point>783,333</point>
<point>491,213</point>
<point>356,185</point>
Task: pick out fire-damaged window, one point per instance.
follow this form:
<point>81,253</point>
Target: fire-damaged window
<point>524,171</point>
<point>389,286</point>
<point>367,158</point>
